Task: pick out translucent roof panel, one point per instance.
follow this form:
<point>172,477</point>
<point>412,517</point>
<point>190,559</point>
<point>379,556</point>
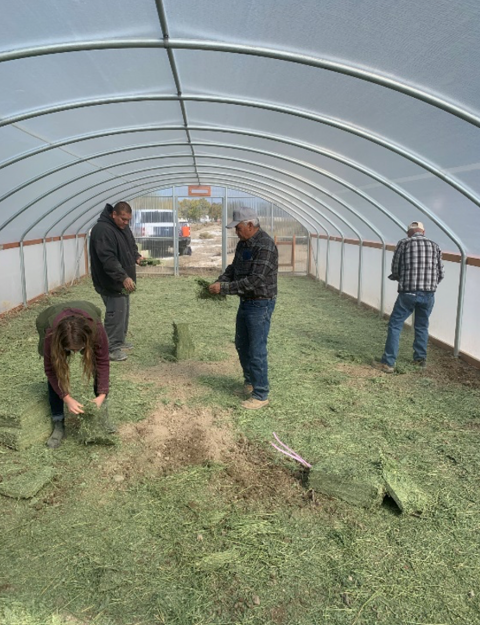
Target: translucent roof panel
<point>368,109</point>
<point>432,42</point>
<point>25,23</point>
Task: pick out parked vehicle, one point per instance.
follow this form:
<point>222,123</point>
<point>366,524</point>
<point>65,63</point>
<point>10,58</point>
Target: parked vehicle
<point>154,229</point>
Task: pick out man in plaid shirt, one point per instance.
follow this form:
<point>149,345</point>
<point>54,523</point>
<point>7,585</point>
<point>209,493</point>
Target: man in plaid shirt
<point>417,266</point>
<point>253,277</point>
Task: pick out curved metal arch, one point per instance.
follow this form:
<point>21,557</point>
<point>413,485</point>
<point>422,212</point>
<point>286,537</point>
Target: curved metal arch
<point>65,184</point>
<point>127,182</point>
<point>350,209</point>
<point>90,220</point>
<point>367,75</point>
<point>309,147</point>
<point>315,228</point>
<point>333,196</point>
<point>456,240</point>
<point>23,209</point>
<point>315,211</point>
<point>351,128</point>
<point>189,173</point>
<point>283,158</point>
<point>305,217</point>
<point>276,191</point>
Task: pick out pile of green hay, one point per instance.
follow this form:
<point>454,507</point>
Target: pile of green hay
<point>184,348</point>
<point>25,416</point>
<point>20,479</point>
<point>204,293</point>
<point>95,424</point>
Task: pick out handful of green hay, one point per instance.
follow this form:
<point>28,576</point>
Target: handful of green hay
<point>95,426</point>
<point>204,293</point>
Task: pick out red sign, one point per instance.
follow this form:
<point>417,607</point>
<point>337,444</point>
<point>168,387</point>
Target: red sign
<point>200,190</point>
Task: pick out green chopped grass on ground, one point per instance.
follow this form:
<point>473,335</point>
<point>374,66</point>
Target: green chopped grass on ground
<point>138,535</point>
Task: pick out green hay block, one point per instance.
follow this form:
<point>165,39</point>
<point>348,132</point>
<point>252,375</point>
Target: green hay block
<point>184,347</point>
<point>408,497</point>
<point>27,420</point>
<point>93,429</point>
<point>359,493</point>
<point>24,482</point>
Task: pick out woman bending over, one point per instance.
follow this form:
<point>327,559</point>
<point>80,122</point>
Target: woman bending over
<point>65,329</point>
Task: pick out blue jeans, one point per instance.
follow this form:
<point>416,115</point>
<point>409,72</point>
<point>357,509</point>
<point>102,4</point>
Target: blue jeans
<point>420,302</point>
<point>251,334</point>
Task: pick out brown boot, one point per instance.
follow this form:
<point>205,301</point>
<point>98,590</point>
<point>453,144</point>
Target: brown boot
<point>254,404</point>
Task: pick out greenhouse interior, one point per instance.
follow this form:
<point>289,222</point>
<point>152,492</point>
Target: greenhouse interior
<point>324,138</point>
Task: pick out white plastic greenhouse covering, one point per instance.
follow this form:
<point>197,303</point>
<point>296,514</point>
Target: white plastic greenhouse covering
<point>356,117</point>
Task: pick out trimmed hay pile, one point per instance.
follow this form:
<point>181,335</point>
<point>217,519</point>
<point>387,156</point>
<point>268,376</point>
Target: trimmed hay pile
<point>21,480</point>
<point>25,417</point>
<point>184,348</point>
<point>95,427</point>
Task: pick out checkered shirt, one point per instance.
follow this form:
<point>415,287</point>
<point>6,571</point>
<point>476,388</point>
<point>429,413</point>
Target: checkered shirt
<point>254,270</point>
<point>417,264</point>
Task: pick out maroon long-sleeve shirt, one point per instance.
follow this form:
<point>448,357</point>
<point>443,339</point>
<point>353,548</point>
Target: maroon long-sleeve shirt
<point>102,361</point>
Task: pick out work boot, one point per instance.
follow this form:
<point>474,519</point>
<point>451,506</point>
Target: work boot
<point>57,435</point>
<point>117,355</point>
<point>382,366</point>
<point>422,364</point>
<point>254,404</point>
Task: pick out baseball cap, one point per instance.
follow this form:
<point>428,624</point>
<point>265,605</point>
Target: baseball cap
<point>416,224</point>
<point>244,213</point>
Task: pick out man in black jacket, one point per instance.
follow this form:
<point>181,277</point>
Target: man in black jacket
<point>113,256</point>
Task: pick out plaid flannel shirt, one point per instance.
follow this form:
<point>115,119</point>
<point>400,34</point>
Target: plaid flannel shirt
<point>254,270</point>
<point>417,264</point>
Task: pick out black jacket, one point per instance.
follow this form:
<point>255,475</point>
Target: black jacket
<point>113,253</point>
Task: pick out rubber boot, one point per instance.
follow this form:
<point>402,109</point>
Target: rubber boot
<point>57,435</point>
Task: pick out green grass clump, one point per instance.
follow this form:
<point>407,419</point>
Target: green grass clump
<point>204,293</point>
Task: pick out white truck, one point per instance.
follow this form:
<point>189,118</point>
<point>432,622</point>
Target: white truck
<point>154,230</point>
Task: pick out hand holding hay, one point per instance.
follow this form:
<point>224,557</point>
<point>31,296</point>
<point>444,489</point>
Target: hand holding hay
<point>204,293</point>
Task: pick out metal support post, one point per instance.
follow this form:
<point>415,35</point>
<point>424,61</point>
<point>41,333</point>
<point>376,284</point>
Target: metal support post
<point>224,230</point>
<point>45,267</point>
<point>62,259</point>
<point>23,275</point>
<point>175,233</point>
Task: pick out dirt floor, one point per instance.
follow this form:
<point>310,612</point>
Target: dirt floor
<point>178,434</point>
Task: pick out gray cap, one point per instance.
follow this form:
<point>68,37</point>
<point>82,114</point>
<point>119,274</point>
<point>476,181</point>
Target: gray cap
<point>244,213</point>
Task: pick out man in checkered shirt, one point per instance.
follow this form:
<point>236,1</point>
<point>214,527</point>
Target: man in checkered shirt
<point>253,277</point>
<point>418,268</point>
